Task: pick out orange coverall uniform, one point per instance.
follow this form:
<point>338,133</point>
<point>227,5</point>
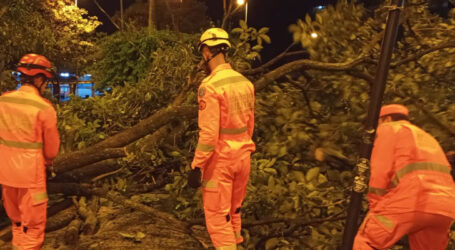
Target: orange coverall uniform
<point>226,122</point>
<point>28,138</point>
<point>411,191</point>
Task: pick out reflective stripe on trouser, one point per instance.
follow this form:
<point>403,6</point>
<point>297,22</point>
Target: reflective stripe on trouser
<point>429,231</point>
<point>223,191</point>
<point>31,215</point>
<point>231,247</point>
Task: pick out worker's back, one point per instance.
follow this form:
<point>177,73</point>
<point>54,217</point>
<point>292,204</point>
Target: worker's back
<point>21,137</point>
<point>235,95</point>
<point>420,179</point>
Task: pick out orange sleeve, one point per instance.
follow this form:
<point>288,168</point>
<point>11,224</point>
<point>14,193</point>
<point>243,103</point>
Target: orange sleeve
<point>382,160</point>
<point>51,138</point>
<point>250,123</point>
<point>209,126</point>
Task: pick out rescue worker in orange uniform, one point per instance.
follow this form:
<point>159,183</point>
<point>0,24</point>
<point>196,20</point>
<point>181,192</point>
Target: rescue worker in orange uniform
<point>29,139</point>
<point>411,190</point>
<point>226,122</point>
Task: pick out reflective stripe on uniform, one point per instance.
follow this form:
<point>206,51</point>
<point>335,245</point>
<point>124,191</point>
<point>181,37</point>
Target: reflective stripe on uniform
<point>378,191</point>
<point>229,80</point>
<point>209,184</point>
<point>15,247</point>
<point>39,196</point>
<point>238,235</point>
<point>205,147</point>
<point>230,247</point>
<point>17,100</point>
<point>385,221</point>
<point>233,131</point>
<point>416,166</point>
<point>18,144</point>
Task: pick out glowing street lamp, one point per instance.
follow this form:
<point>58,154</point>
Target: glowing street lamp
<point>244,2</point>
<point>314,35</point>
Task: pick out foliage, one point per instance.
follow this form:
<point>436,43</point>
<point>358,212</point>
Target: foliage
<point>188,16</point>
<point>308,121</point>
<point>88,121</point>
<point>126,57</point>
<point>244,50</point>
<point>55,28</point>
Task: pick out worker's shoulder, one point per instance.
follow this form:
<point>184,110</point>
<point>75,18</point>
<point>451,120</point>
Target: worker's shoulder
<point>42,103</point>
<point>227,77</point>
<point>396,126</point>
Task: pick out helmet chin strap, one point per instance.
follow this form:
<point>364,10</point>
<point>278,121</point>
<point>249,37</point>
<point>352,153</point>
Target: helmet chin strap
<point>37,87</point>
<point>213,56</point>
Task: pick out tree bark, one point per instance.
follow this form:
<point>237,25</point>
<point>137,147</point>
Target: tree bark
<point>109,148</point>
<point>71,236</point>
<point>87,172</point>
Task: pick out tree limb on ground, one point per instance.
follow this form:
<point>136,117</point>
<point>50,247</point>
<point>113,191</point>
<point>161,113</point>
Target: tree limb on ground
<point>97,152</point>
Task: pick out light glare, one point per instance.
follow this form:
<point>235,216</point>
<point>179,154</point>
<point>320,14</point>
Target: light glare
<point>314,35</point>
<point>240,2</point>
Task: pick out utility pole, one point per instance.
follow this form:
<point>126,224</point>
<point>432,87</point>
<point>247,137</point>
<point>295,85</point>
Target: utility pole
<point>121,15</point>
<point>151,15</point>
<point>377,93</point>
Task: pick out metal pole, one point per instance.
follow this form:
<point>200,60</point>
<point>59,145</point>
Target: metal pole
<point>377,92</point>
<point>246,12</point>
<point>121,13</point>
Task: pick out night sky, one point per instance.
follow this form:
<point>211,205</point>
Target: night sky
<point>275,14</point>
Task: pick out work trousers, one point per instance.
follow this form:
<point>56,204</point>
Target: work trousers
<point>26,207</point>
<point>223,190</point>
<point>425,231</point>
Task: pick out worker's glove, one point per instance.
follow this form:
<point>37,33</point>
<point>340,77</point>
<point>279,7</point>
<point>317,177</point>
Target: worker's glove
<point>194,178</point>
<point>50,168</point>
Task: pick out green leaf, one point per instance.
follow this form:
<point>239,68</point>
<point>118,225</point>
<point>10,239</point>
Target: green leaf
<point>243,24</point>
<point>270,171</point>
<point>312,173</point>
<point>263,30</point>
<point>139,236</point>
<point>237,30</point>
<point>266,38</point>
<point>127,235</point>
<point>257,48</point>
<point>294,28</point>
<point>271,243</point>
<point>308,19</point>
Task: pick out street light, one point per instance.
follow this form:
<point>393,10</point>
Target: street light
<point>244,2</point>
<point>314,35</point>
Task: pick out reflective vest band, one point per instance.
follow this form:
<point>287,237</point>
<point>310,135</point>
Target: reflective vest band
<point>17,100</point>
<point>37,197</point>
<point>205,147</point>
<point>416,166</point>
<point>385,221</point>
<point>229,80</point>
<point>233,131</point>
<point>230,247</point>
<point>238,235</point>
<point>209,184</point>
<point>15,247</point>
<point>378,191</point>
<point>18,144</point>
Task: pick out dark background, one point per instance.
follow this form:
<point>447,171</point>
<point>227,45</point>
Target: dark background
<point>275,14</point>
